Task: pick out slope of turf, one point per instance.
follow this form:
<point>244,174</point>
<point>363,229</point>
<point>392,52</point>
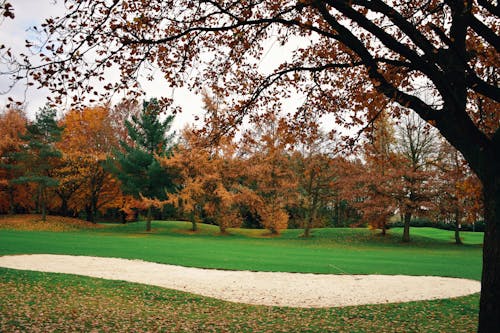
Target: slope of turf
<point>339,251</point>
<point>32,301</point>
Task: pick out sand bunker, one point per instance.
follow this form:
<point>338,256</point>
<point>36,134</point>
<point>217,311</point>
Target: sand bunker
<point>262,288</point>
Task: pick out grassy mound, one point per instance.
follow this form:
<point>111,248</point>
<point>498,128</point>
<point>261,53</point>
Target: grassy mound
<point>35,223</point>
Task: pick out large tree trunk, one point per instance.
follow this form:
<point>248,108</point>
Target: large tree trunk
<point>489,310</point>
<point>406,229</point>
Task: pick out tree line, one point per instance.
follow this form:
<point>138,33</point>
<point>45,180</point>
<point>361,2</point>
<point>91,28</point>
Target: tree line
<point>122,161</point>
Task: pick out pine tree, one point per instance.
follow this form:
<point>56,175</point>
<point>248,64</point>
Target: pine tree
<point>39,155</point>
<point>137,165</point>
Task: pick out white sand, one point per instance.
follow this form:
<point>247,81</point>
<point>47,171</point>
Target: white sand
<point>264,288</point>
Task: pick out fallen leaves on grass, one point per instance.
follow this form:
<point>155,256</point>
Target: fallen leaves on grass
<point>35,223</point>
<point>43,302</point>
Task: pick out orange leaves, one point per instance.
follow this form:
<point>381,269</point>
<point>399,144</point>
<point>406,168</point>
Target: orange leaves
<point>88,132</point>
<point>34,223</point>
<point>12,126</point>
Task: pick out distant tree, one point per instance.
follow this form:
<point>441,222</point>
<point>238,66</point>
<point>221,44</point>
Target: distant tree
<point>416,146</point>
<point>39,154</point>
<point>373,184</point>
<point>12,194</point>
<point>137,165</point>
<point>207,171</point>
<point>269,171</point>
<point>190,162</point>
<point>88,138</point>
<point>317,176</point>
<point>458,196</point>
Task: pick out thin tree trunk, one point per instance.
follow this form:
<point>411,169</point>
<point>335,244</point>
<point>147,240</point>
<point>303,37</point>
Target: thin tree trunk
<point>64,207</point>
<point>148,219</point>
<point>489,309</point>
<point>308,226</point>
<point>406,230</point>
<point>42,201</point>
<point>458,241</point>
<point>337,211</point>
<point>384,229</point>
<point>89,214</point>
<point>194,225</point>
<point>11,200</point>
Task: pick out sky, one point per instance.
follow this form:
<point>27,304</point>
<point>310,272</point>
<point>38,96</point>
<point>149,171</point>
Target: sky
<point>28,13</point>
<point>33,12</point>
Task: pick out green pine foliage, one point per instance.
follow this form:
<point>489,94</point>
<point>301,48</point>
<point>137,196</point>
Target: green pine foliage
<point>137,164</point>
<point>38,157</point>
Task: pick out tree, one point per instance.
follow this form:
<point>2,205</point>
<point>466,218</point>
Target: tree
<point>372,185</point>
<point>317,177</point>
<point>459,191</point>
<point>190,163</point>
<point>88,138</point>
<point>358,56</point>
<point>416,144</point>
<point>269,173</point>
<point>138,166</point>
<point>39,154</point>
<point>12,195</point>
<point>207,171</point>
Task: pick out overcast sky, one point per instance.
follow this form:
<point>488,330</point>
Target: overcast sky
<point>33,12</point>
<point>28,13</point>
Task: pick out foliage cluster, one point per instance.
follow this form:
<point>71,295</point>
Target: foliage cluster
<point>271,177</point>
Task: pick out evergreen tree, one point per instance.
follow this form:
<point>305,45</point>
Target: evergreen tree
<point>40,154</point>
<point>137,165</point>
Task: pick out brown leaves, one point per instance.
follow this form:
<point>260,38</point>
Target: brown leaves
<point>6,9</point>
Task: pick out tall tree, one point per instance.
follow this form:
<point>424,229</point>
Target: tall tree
<point>317,176</point>
<point>207,170</point>
<point>12,128</point>
<point>137,165</point>
<point>39,154</point>
<point>366,53</point>
<point>458,196</point>
<point>416,145</point>
<point>88,138</point>
<point>269,171</point>
<point>372,185</point>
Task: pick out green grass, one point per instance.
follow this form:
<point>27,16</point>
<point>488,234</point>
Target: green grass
<point>353,251</point>
<point>119,306</point>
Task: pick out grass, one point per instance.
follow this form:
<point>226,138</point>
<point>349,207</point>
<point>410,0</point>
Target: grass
<point>35,300</point>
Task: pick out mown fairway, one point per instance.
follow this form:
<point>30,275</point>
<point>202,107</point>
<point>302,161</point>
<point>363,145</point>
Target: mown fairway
<point>31,299</point>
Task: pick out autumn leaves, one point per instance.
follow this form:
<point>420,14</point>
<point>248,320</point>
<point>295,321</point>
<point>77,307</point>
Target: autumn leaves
<point>123,161</point>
